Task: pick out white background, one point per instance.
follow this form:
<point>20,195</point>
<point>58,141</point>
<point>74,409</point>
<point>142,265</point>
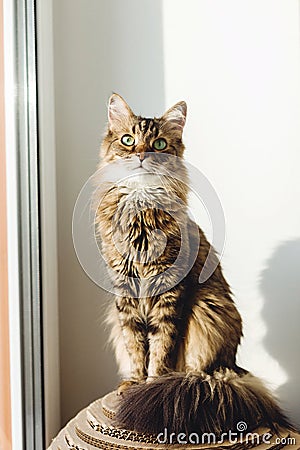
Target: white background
<point>237,66</point>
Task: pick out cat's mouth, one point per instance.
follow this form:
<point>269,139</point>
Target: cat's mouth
<point>140,168</point>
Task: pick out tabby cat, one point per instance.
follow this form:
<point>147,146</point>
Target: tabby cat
<point>175,339</point>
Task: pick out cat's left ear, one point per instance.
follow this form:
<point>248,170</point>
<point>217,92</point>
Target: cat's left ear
<point>118,111</point>
<point>176,116</point>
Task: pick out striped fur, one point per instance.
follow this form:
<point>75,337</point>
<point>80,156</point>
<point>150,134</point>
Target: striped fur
<point>190,329</point>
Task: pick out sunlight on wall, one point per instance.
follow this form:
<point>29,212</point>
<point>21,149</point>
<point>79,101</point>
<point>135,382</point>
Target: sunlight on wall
<point>237,66</point>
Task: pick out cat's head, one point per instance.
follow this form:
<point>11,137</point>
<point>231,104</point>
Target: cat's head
<point>130,136</point>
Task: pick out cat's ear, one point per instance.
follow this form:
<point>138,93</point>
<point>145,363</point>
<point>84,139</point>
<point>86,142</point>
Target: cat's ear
<point>118,111</point>
<point>176,115</point>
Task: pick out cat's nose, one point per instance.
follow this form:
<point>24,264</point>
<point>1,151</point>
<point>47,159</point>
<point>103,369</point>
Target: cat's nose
<point>141,156</point>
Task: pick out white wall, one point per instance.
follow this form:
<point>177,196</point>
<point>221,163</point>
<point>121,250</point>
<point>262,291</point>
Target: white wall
<point>99,47</point>
<point>237,65</point>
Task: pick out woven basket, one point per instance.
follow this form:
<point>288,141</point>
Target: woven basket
<point>92,429</point>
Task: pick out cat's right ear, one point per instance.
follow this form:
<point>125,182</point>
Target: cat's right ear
<point>118,111</point>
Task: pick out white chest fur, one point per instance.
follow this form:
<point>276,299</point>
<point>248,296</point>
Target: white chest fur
<point>141,180</point>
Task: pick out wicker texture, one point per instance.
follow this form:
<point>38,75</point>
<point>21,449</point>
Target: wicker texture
<point>92,429</point>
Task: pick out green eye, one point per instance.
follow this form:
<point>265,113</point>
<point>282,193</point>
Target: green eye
<point>160,144</point>
<point>127,140</point>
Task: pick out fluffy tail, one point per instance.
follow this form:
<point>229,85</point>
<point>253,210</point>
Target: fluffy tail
<point>187,403</point>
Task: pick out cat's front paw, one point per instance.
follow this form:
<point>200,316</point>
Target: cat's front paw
<point>124,385</point>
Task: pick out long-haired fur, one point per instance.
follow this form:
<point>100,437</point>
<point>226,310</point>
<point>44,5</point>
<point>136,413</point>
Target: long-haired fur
<point>190,328</point>
<point>202,403</point>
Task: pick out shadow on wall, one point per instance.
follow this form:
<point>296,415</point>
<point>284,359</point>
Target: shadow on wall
<point>99,47</point>
<point>280,285</point>
<point>136,53</point>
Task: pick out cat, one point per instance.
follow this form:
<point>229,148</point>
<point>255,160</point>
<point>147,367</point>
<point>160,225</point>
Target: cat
<point>175,339</point>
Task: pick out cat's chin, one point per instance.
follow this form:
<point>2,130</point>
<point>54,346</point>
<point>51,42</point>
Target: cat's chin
<point>141,178</point>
